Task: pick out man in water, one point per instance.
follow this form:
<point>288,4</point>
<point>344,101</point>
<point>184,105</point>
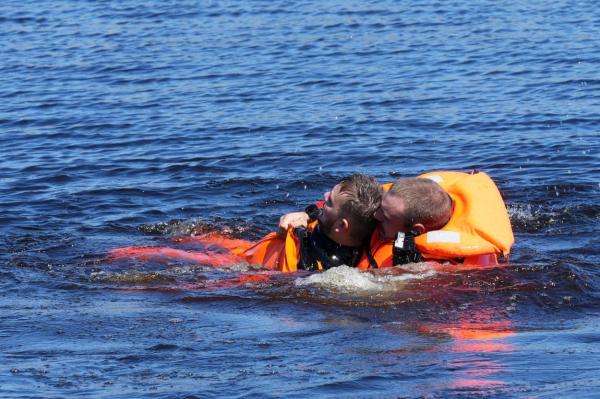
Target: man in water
<point>332,235</point>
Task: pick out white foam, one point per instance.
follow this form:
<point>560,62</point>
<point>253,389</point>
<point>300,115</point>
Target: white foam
<point>350,279</point>
<point>523,212</point>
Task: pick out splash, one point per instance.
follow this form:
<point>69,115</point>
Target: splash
<point>533,218</point>
<point>347,279</point>
<point>132,277</point>
<point>189,228</point>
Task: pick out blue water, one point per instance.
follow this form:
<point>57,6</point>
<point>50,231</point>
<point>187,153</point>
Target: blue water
<point>133,123</point>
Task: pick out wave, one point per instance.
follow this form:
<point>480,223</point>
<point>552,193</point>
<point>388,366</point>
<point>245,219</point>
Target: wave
<point>539,217</point>
<point>350,280</point>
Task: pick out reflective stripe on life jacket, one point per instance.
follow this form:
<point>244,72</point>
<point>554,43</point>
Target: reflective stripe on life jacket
<point>478,231</point>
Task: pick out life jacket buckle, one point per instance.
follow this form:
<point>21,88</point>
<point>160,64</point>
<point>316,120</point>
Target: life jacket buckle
<point>405,250</point>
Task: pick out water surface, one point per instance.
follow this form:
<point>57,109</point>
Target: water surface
<point>132,123</point>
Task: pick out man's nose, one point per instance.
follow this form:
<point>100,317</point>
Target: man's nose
<point>326,196</point>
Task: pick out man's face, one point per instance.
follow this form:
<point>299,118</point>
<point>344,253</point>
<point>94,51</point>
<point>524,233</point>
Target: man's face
<point>330,213</point>
<point>391,216</point>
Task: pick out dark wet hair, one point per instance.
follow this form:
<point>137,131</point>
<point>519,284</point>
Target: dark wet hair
<point>362,196</point>
<point>425,202</point>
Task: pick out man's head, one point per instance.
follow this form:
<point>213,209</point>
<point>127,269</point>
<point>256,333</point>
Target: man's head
<point>347,216</point>
<point>413,205</point>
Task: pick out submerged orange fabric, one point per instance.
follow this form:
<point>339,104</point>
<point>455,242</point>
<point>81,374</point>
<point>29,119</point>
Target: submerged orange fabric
<point>272,251</point>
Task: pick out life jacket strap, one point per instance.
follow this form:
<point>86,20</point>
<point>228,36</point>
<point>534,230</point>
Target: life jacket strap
<point>405,250</point>
<point>372,261</point>
<point>307,260</point>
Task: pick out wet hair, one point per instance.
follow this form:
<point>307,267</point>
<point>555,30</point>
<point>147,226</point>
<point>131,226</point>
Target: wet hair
<point>425,202</point>
<point>362,197</point>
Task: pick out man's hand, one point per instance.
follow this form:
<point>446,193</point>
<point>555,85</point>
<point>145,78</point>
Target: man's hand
<point>294,219</point>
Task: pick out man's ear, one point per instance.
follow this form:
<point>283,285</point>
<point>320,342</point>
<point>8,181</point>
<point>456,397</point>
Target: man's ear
<point>417,229</point>
<point>343,224</point>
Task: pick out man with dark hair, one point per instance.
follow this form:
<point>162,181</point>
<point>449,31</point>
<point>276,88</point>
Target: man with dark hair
<point>324,237</point>
<point>347,211</point>
<point>331,235</point>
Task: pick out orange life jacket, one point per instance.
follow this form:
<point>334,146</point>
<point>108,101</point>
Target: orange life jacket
<point>478,231</point>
